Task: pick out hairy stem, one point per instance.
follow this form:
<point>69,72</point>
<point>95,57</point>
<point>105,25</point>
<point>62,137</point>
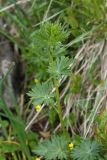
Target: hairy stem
<point>57,92</point>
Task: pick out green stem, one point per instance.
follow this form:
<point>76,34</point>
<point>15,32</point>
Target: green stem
<point>57,92</point>
<point>14,156</point>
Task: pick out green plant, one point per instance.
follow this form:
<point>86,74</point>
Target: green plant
<point>76,83</point>
<point>41,94</point>
<point>61,67</point>
<point>40,42</point>
<point>87,150</point>
<point>101,128</point>
<point>47,40</point>
<point>55,148</point>
<point>48,35</point>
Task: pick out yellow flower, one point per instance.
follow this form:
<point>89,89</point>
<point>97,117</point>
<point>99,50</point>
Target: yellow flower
<point>36,80</point>
<point>38,158</point>
<point>38,108</point>
<point>71,146</point>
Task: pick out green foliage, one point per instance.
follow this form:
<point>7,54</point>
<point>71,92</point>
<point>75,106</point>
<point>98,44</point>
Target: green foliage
<point>40,41</point>
<point>52,115</point>
<point>103,158</point>
<point>76,83</point>
<point>87,150</point>
<point>8,147</point>
<point>18,127</point>
<point>41,94</point>
<point>49,35</point>
<point>101,128</point>
<point>47,39</point>
<point>91,74</point>
<point>61,67</point>
<point>95,8</point>
<point>84,14</point>
<point>55,148</point>
<point>32,139</point>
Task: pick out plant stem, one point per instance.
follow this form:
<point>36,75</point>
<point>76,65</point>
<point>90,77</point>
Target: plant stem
<point>14,156</point>
<point>57,91</point>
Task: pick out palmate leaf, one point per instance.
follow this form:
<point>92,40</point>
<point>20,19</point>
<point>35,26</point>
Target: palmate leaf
<point>41,94</point>
<point>56,148</point>
<point>88,150</point>
<point>61,67</point>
